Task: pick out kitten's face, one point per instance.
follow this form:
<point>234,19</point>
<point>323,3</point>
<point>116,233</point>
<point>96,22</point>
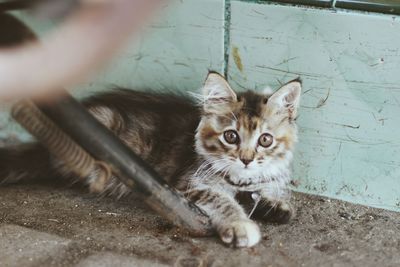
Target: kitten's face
<point>249,135</point>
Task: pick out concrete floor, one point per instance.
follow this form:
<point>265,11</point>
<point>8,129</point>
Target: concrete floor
<point>106,231</point>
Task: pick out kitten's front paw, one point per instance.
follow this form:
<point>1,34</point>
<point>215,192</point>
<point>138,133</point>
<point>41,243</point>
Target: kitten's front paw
<point>242,233</point>
<point>284,212</point>
<point>279,212</point>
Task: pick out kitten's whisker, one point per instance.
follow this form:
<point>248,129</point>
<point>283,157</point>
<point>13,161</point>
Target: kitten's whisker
<point>223,168</point>
<point>206,166</point>
<point>269,210</point>
<point>210,170</point>
<point>215,171</point>
<point>234,116</point>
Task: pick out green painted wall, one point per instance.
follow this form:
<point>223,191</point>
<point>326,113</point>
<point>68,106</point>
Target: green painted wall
<point>349,62</point>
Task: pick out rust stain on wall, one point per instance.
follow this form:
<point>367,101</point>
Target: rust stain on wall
<point>237,59</point>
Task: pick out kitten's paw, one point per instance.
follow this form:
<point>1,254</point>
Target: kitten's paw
<point>279,212</point>
<point>270,210</point>
<point>242,233</point>
<point>284,212</point>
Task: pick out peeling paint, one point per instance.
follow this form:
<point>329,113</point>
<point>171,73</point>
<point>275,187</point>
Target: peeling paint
<point>237,59</point>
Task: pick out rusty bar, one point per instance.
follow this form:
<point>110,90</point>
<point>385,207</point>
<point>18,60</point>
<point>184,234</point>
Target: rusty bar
<point>102,144</point>
<point>56,141</point>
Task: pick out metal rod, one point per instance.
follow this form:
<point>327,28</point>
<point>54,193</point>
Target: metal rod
<point>59,144</point>
<point>11,5</point>
<point>102,144</point>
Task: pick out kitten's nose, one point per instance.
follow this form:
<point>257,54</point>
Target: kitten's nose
<point>246,161</point>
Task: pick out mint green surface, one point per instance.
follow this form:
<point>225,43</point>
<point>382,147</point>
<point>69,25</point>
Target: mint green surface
<point>349,62</point>
<point>349,127</point>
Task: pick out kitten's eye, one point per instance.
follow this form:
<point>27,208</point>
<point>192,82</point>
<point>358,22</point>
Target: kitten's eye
<point>231,137</point>
<point>265,140</point>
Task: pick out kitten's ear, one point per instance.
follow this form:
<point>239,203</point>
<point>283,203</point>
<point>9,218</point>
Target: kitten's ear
<point>286,98</point>
<point>217,93</point>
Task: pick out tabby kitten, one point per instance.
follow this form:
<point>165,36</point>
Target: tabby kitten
<point>228,144</point>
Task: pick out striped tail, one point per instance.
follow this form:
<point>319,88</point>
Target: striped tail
<point>24,163</point>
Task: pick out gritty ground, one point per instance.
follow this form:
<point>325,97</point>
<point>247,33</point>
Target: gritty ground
<point>108,232</point>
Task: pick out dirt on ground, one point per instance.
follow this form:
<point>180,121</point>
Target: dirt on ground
<point>324,233</point>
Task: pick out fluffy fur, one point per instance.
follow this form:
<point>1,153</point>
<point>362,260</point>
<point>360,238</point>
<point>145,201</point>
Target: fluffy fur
<point>186,143</point>
<point>227,169</point>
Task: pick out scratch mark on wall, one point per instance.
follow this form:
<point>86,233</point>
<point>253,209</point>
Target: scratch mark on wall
<point>305,92</point>
<point>298,73</point>
<point>380,61</point>
<point>346,188</point>
<point>334,160</point>
<point>182,64</point>
<point>210,18</point>
<point>161,64</point>
<point>286,61</point>
<point>363,142</point>
<point>258,12</point>
<point>323,101</point>
<point>347,125</point>
<point>320,103</point>
<point>262,38</point>
<point>232,80</point>
<point>380,120</point>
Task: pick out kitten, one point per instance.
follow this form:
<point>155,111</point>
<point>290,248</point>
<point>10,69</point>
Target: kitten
<point>228,144</point>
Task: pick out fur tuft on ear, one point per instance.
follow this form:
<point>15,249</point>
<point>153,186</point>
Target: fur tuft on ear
<point>217,93</point>
<point>267,91</point>
<point>287,98</point>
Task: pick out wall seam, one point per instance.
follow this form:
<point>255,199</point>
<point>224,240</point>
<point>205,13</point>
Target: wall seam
<point>227,37</point>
